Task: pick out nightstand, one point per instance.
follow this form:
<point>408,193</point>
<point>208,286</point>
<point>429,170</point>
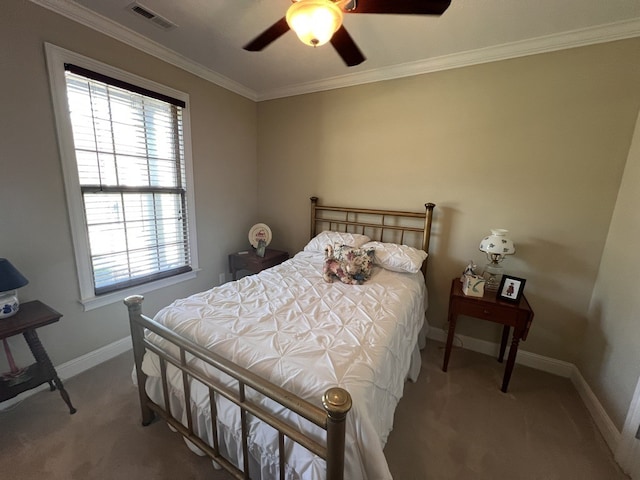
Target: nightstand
<point>517,315</point>
<point>253,263</point>
<point>31,316</point>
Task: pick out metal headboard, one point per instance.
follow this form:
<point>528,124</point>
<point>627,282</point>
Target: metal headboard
<point>380,225</point>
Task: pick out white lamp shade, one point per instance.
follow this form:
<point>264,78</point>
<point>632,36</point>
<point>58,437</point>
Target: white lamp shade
<point>497,243</point>
<point>314,21</point>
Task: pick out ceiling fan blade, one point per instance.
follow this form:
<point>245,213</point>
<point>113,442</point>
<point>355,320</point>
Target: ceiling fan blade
<point>346,47</point>
<point>404,7</point>
<point>272,33</point>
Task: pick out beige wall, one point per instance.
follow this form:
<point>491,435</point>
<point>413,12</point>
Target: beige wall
<point>609,359</point>
<point>35,233</point>
<point>536,145</point>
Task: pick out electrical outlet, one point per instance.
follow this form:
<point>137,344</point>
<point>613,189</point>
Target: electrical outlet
<point>222,278</point>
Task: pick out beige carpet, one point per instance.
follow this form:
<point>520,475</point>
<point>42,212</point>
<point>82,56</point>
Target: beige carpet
<point>448,426</point>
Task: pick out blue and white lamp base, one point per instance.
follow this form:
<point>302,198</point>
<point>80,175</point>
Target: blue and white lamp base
<point>9,304</point>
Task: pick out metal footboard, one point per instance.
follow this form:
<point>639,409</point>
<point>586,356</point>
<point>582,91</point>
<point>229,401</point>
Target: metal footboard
<point>331,418</point>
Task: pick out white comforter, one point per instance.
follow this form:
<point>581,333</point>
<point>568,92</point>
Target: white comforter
<point>291,327</point>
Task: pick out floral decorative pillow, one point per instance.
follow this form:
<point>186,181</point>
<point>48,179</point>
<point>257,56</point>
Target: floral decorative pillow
<point>320,241</point>
<point>348,264</point>
<point>397,258</point>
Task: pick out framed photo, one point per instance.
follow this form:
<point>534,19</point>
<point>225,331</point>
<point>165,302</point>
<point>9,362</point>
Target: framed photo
<point>511,288</point>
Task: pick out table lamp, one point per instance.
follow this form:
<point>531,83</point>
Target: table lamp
<point>10,280</point>
<point>496,246</point>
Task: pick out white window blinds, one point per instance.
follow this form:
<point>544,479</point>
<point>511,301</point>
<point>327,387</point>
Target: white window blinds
<point>130,156</point>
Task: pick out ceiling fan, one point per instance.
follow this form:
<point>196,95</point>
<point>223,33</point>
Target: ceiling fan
<point>317,22</point>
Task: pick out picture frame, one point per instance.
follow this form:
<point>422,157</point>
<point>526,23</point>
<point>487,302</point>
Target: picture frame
<point>511,289</point>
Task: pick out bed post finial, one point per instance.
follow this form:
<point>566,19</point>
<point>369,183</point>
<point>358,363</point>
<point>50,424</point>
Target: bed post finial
<point>314,202</point>
<point>337,403</point>
<point>134,302</point>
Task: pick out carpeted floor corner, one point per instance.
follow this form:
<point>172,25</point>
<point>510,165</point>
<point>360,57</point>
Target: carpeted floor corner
<point>458,425</point>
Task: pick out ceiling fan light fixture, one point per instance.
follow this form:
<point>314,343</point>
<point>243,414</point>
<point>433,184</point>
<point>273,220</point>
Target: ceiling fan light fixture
<point>314,21</point>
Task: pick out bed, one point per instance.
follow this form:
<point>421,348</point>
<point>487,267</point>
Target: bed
<point>284,375</point>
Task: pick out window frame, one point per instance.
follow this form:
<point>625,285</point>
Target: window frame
<point>56,58</point>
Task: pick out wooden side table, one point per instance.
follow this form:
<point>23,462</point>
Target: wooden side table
<point>253,263</point>
<point>31,316</point>
<point>516,315</point>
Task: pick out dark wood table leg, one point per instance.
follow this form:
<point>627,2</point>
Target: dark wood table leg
<point>503,343</point>
<point>40,354</point>
<point>513,351</point>
<point>450,335</point>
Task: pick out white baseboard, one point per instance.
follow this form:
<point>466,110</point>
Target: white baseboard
<point>629,448</point>
<point>91,359</point>
<point>557,367</point>
<point>77,366</point>
<point>533,360</point>
<point>608,430</point>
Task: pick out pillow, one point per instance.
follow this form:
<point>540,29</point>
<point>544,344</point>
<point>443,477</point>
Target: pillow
<point>397,258</point>
<point>320,241</point>
<point>350,265</point>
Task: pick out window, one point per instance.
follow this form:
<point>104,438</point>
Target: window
<point>124,148</point>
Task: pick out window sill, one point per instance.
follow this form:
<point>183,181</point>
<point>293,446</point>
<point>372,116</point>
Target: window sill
<point>92,303</point>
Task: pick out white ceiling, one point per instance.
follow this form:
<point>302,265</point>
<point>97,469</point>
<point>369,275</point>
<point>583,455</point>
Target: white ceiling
<point>210,34</point>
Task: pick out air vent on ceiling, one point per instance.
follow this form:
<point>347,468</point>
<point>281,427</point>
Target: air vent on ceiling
<point>153,17</point>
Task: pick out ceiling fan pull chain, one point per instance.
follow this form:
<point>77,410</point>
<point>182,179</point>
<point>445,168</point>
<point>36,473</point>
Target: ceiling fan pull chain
<point>351,6</point>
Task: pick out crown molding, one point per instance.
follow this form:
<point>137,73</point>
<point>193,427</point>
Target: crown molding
<point>572,39</point>
<point>91,19</point>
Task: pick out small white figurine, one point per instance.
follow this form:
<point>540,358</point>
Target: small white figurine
<point>469,270</point>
